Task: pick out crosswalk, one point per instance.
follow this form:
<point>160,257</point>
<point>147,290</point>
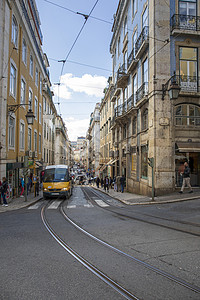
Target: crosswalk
<point>55,204</point>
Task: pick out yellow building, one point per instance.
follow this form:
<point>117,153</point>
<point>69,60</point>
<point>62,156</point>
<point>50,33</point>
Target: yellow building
<point>26,72</point>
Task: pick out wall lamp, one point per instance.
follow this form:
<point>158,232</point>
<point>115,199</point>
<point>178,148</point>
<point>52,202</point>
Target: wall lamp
<point>29,116</point>
<point>174,88</point>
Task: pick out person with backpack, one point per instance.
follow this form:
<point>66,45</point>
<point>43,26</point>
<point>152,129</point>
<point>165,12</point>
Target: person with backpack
<point>4,188</point>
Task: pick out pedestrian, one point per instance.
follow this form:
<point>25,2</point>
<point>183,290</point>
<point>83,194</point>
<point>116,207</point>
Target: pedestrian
<point>97,181</point>
<point>122,183</point>
<point>186,178</point>
<point>180,173</point>
<point>4,188</point>
<point>106,184</point>
<point>102,182</point>
<point>22,186</point>
<point>115,184</point>
<point>37,185</point>
<point>118,183</point>
<point>29,184</point>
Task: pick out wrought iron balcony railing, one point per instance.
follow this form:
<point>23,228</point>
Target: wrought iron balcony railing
<point>132,61</point>
<point>185,22</point>
<point>121,71</point>
<point>144,36</point>
<point>142,92</point>
<point>188,83</point>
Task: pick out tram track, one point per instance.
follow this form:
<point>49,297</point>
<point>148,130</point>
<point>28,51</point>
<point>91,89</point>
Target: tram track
<point>129,214</point>
<point>121,290</point>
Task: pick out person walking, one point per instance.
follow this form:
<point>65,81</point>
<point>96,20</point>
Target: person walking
<point>22,186</point>
<point>186,178</point>
<point>115,184</point>
<point>97,181</point>
<point>37,185</point>
<point>106,184</point>
<point>4,188</point>
<point>122,182</point>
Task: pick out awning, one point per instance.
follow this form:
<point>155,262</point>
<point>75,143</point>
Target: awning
<point>188,146</point>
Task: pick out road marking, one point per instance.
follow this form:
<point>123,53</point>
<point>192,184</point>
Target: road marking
<point>71,206</point>
<point>35,206</point>
<point>101,203</point>
<point>54,205</point>
<point>88,205</point>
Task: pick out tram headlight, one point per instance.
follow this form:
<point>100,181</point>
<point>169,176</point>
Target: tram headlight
<point>45,190</point>
<point>64,189</point>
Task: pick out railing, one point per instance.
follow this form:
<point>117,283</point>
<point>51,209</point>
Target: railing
<point>185,22</point>
<point>121,71</point>
<point>124,107</point>
<point>144,36</point>
<point>142,91</point>
<point>118,110</point>
<point>130,102</point>
<point>188,83</point>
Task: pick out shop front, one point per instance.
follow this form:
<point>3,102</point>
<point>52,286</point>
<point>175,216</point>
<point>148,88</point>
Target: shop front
<point>189,152</point>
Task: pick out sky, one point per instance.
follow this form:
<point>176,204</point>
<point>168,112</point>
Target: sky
<point>85,47</point>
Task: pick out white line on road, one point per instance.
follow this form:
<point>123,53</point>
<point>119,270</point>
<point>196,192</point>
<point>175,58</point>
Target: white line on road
<point>101,203</point>
<point>54,205</point>
<point>35,206</point>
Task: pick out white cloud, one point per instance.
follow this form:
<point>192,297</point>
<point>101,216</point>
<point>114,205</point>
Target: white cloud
<point>88,84</point>
<point>62,91</point>
<point>76,127</point>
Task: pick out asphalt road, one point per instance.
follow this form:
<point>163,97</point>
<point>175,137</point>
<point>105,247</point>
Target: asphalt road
<point>34,265</point>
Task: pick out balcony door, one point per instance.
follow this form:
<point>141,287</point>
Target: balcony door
<point>188,68</point>
<point>187,14</point>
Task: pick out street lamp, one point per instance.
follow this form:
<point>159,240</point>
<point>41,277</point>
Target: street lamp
<point>30,117</point>
<point>174,88</point>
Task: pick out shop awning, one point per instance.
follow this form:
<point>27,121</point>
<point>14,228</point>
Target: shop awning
<point>188,147</point>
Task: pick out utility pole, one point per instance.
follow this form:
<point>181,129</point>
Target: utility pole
<point>151,164</point>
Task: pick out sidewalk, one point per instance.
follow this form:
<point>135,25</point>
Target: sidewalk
<point>17,203</point>
<point>134,199</point>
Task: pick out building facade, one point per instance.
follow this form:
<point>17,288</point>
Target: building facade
<point>152,47</point>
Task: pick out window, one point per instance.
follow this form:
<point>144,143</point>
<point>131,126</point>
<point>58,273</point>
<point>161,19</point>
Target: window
<point>134,39</point>
<point>13,80</point>
<point>23,91</point>
<point>31,66</point>
<point>24,51</point>
<point>47,132</point>
<point>134,127</point>
<point>145,119</point>
<point>134,89</point>
<point>36,76</point>
<point>36,108</point>
<point>187,8</point>
<point>44,104</point>
<point>30,99</point>
<point>44,130</point>
<point>40,143</point>
<point>144,162</point>
<point>187,115</point>
<point>11,132</point>
<point>125,27</point>
<point>44,154</point>
<point>21,135</point>
<point>41,86</point>
<point>40,113</point>
<point>145,18</point>
<point>134,7</point>
<point>145,71</point>
<point>188,68</point>
<point>119,46</point>
<point>14,31</point>
<point>35,140</point>
<point>124,131</point>
<point>29,138</point>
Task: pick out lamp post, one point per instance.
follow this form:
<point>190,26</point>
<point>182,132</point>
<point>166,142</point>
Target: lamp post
<point>174,88</point>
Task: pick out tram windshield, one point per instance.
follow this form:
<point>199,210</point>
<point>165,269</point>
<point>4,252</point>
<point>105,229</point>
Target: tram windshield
<point>56,175</point>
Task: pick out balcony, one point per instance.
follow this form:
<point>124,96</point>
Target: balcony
<point>115,91</point>
<point>142,92</point>
<point>185,24</point>
<point>132,61</point>
<point>142,42</point>
<point>122,76</point>
<point>188,84</point>
<point>124,108</point>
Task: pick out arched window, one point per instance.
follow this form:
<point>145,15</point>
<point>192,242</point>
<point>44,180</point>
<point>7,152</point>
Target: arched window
<point>145,119</point>
<point>14,31</point>
<point>187,115</point>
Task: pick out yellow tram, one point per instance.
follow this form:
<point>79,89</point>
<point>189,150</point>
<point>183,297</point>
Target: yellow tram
<point>57,182</point>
